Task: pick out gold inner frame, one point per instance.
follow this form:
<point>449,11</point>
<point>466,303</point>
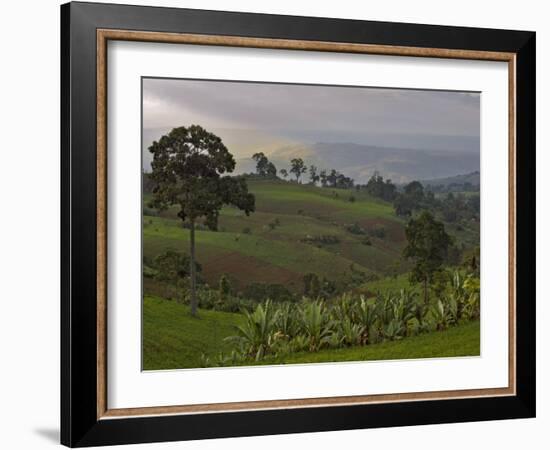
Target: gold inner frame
<point>104,35</point>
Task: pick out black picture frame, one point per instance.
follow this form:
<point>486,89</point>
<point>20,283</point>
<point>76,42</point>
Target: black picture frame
<point>79,423</point>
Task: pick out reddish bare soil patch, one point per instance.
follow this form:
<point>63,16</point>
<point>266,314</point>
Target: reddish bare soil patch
<point>246,269</point>
<point>395,232</point>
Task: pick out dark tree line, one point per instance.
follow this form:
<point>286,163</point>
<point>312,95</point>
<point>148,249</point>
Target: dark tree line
<point>378,187</point>
<point>328,178</point>
<point>264,167</point>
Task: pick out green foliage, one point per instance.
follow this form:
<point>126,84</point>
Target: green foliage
<point>288,323</point>
<point>316,324</point>
<point>173,339</point>
<point>367,318</point>
<point>366,241</point>
<point>264,167</point>
<point>312,285</point>
<point>255,336</point>
<point>350,320</point>
<point>336,179</point>
<point>224,288</point>
<point>379,188</point>
<point>350,333</point>
<point>322,239</point>
<point>274,291</point>
<point>355,228</point>
<point>171,268</point>
<point>378,231</point>
<point>186,172</point>
<point>427,245</point>
<point>410,200</point>
<point>313,177</point>
<point>297,167</point>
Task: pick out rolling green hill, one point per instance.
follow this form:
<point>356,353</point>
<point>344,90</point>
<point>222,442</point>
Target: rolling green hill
<point>295,229</point>
<point>172,339</point>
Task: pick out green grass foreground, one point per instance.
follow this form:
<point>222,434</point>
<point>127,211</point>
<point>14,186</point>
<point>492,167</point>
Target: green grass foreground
<point>462,340</point>
<point>172,339</point>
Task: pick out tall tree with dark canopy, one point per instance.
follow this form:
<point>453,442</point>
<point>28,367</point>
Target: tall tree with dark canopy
<point>313,177</point>
<point>264,167</point>
<point>297,167</point>
<point>323,177</point>
<point>186,171</point>
<point>427,246</point>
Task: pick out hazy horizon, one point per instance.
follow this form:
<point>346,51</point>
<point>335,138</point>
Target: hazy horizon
<point>429,133</point>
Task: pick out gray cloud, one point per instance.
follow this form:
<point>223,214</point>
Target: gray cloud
<point>406,134</point>
<point>288,109</point>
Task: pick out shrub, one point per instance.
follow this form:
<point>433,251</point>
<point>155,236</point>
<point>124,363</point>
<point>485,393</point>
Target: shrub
<point>355,228</point>
<point>378,231</point>
<point>274,291</point>
<point>366,241</point>
<point>255,336</point>
<point>277,329</point>
<point>321,239</point>
<point>247,230</point>
<point>287,321</point>
<point>224,288</point>
<point>350,332</point>
<point>366,317</point>
<point>316,324</point>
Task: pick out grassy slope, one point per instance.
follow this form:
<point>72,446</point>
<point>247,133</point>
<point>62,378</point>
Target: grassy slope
<point>457,341</point>
<point>173,339</point>
<point>279,255</point>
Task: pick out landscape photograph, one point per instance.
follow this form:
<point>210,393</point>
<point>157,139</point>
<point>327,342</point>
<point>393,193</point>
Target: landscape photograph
<point>296,224</point>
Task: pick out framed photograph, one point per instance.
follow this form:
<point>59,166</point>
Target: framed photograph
<point>276,224</point>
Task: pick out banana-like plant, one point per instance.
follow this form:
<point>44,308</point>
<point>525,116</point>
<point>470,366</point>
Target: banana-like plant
<point>299,343</point>
<point>384,308</point>
<point>255,336</point>
<point>402,307</point>
<point>366,316</point>
<point>394,330</point>
<point>287,321</point>
<point>350,332</point>
<point>316,324</point>
<point>440,314</point>
<point>472,306</point>
<point>343,308</point>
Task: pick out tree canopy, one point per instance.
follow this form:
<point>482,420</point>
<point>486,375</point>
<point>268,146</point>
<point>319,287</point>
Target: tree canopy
<point>264,167</point>
<point>297,167</point>
<point>427,246</point>
<point>187,168</point>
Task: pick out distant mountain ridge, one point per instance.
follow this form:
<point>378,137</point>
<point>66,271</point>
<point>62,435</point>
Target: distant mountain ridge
<point>360,161</point>
<point>473,178</point>
<point>401,163</point>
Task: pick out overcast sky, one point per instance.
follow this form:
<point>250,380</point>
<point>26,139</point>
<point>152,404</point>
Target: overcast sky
<point>289,108</point>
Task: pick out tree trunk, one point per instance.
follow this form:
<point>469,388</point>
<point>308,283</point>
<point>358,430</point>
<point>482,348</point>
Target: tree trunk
<point>426,291</point>
<point>192,271</point>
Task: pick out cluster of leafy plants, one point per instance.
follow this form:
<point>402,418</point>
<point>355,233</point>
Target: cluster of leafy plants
<point>328,239</point>
<point>273,330</point>
<point>355,228</point>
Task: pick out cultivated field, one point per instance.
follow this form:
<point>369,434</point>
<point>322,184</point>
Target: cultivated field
<point>348,239</point>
